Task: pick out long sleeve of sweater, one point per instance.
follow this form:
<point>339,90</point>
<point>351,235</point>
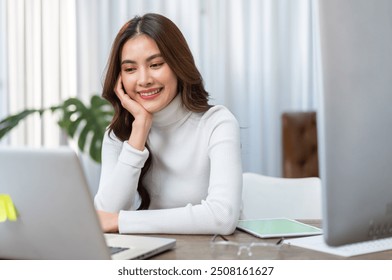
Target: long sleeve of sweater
<point>120,172</point>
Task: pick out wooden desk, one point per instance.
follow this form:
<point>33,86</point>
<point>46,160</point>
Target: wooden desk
<point>197,247</point>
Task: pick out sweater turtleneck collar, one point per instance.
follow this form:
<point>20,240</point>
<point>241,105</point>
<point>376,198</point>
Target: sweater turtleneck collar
<point>172,113</point>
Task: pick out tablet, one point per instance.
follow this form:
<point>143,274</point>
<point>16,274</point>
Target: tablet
<point>280,227</point>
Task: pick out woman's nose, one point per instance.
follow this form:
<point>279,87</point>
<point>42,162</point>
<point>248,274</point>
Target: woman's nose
<point>145,78</point>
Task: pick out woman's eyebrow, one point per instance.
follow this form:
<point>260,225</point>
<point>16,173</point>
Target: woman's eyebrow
<point>148,59</point>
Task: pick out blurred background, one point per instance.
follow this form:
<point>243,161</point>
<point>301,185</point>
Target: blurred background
<point>259,58</point>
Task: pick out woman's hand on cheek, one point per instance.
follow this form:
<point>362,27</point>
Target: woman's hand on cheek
<point>143,119</point>
<point>137,110</point>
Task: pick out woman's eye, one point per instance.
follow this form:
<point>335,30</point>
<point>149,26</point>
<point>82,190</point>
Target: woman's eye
<point>156,65</point>
<point>129,69</point>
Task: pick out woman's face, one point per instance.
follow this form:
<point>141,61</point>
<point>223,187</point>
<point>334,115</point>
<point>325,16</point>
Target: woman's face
<point>145,75</point>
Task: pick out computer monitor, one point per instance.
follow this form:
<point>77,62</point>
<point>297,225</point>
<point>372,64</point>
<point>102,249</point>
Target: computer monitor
<point>355,119</point>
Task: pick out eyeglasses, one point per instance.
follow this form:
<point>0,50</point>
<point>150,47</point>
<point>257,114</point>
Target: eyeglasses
<point>221,241</point>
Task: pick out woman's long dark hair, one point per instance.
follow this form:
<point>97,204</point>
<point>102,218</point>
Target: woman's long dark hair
<point>175,51</point>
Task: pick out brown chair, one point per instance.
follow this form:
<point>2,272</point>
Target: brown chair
<point>299,141</point>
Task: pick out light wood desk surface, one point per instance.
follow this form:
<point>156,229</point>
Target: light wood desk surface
<point>197,247</point>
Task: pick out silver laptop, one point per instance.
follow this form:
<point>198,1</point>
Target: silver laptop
<point>355,120</point>
<point>56,218</point>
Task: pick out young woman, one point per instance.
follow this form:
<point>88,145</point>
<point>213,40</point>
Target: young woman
<point>171,163</point>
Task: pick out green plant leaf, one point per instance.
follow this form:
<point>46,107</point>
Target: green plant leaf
<point>86,124</point>
<point>10,122</point>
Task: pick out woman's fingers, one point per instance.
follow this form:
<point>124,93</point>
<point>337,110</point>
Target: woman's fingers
<point>136,109</point>
<point>118,89</point>
<point>124,98</point>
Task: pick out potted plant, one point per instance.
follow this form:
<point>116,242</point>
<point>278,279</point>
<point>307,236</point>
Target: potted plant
<point>84,124</point>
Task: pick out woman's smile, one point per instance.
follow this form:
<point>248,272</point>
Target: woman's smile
<point>150,94</point>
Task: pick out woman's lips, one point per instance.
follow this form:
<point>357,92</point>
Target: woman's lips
<point>149,94</point>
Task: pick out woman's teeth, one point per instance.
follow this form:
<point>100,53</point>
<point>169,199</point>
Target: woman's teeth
<point>150,93</point>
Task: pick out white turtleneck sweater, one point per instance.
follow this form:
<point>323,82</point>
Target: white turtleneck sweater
<point>195,180</point>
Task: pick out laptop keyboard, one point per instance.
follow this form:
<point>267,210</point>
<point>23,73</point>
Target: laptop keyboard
<point>115,250</point>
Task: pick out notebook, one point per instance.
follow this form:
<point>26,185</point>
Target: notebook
<point>55,215</point>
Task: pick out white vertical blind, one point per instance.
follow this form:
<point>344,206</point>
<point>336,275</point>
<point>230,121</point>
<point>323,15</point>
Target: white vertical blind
<point>41,58</point>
